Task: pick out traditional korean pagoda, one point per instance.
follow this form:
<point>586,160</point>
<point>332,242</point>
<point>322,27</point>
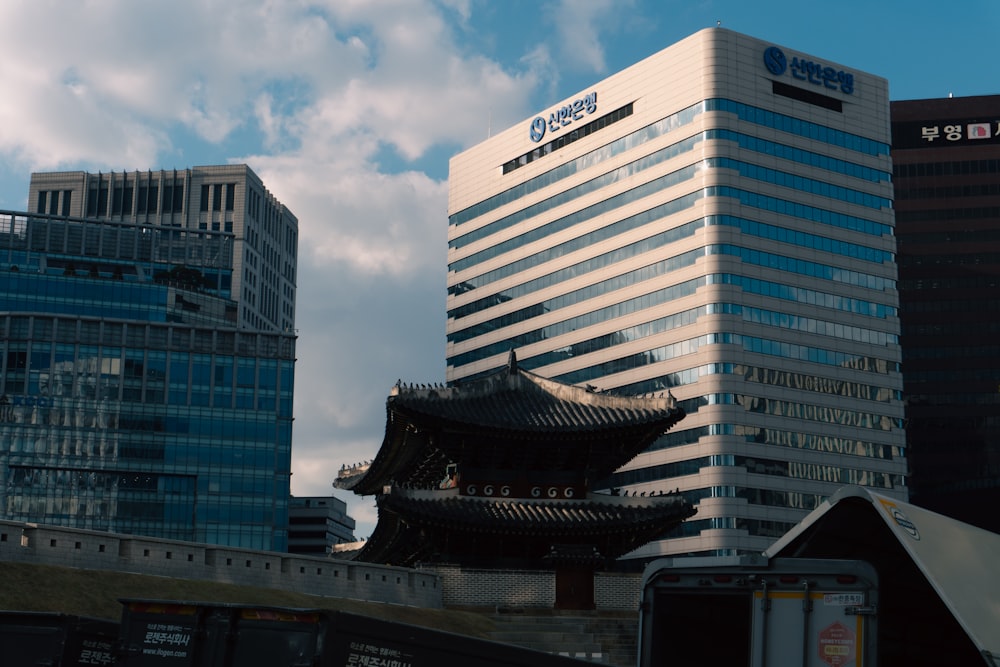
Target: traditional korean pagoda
<point>497,473</point>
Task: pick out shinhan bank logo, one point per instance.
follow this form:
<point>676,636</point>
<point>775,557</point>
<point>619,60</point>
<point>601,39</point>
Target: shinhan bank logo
<point>775,61</point>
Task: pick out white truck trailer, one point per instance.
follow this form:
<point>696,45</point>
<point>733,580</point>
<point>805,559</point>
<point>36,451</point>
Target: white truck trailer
<point>864,580</point>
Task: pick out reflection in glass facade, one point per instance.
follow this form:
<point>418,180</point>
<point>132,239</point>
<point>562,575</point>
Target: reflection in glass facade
<point>130,400</point>
<point>727,241</point>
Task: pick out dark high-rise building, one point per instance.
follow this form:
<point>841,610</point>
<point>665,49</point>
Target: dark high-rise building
<point>946,164</point>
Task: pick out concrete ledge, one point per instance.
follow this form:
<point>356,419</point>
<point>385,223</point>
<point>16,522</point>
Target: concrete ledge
<point>98,550</point>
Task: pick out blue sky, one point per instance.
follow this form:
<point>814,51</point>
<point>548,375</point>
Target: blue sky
<point>349,111</point>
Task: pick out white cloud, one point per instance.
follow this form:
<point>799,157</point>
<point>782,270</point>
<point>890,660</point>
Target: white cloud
<point>337,97</point>
<point>358,334</point>
<point>352,216</point>
<point>579,25</point>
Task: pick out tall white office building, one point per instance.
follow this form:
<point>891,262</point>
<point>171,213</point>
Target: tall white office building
<point>715,221</point>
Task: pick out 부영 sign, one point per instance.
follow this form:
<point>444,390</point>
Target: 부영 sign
<point>946,132</point>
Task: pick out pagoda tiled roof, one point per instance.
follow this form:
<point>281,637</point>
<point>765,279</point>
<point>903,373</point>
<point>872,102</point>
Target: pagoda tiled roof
<point>514,399</point>
<point>598,514</point>
<point>509,415</point>
<point>602,524</point>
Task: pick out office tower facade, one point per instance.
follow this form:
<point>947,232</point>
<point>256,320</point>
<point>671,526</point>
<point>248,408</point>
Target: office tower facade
<point>262,233</point>
<point>946,161</point>
<point>316,523</point>
<point>715,222</point>
<point>147,374</point>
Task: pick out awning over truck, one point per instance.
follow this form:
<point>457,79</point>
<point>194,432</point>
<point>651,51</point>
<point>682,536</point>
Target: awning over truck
<point>961,563</point>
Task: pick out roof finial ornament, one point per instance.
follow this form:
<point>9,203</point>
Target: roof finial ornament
<point>512,363</point>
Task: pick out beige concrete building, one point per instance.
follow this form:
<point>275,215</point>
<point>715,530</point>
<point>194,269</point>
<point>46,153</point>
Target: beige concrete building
<point>715,221</point>
<point>260,235</point>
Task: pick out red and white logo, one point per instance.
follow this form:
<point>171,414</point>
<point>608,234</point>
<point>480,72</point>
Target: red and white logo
<point>978,130</point>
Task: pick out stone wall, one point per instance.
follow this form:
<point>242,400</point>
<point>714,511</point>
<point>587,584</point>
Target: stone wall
<point>431,587</point>
<point>468,587</point>
<point>97,550</point>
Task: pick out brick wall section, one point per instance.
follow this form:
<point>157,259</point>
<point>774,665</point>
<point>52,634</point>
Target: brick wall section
<point>467,587</point>
<point>613,590</point>
<point>96,550</point>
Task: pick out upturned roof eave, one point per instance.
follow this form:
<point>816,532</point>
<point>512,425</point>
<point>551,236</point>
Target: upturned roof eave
<point>444,421</point>
<point>617,514</point>
<point>512,398</point>
<point>391,541</point>
<point>393,457</point>
<point>400,451</point>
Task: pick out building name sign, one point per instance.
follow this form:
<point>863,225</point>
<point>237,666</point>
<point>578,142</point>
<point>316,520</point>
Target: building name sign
<point>952,132</point>
<point>818,74</point>
<point>563,116</point>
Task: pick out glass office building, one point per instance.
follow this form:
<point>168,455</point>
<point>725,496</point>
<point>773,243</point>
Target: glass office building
<point>134,397</point>
<point>716,222</point>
